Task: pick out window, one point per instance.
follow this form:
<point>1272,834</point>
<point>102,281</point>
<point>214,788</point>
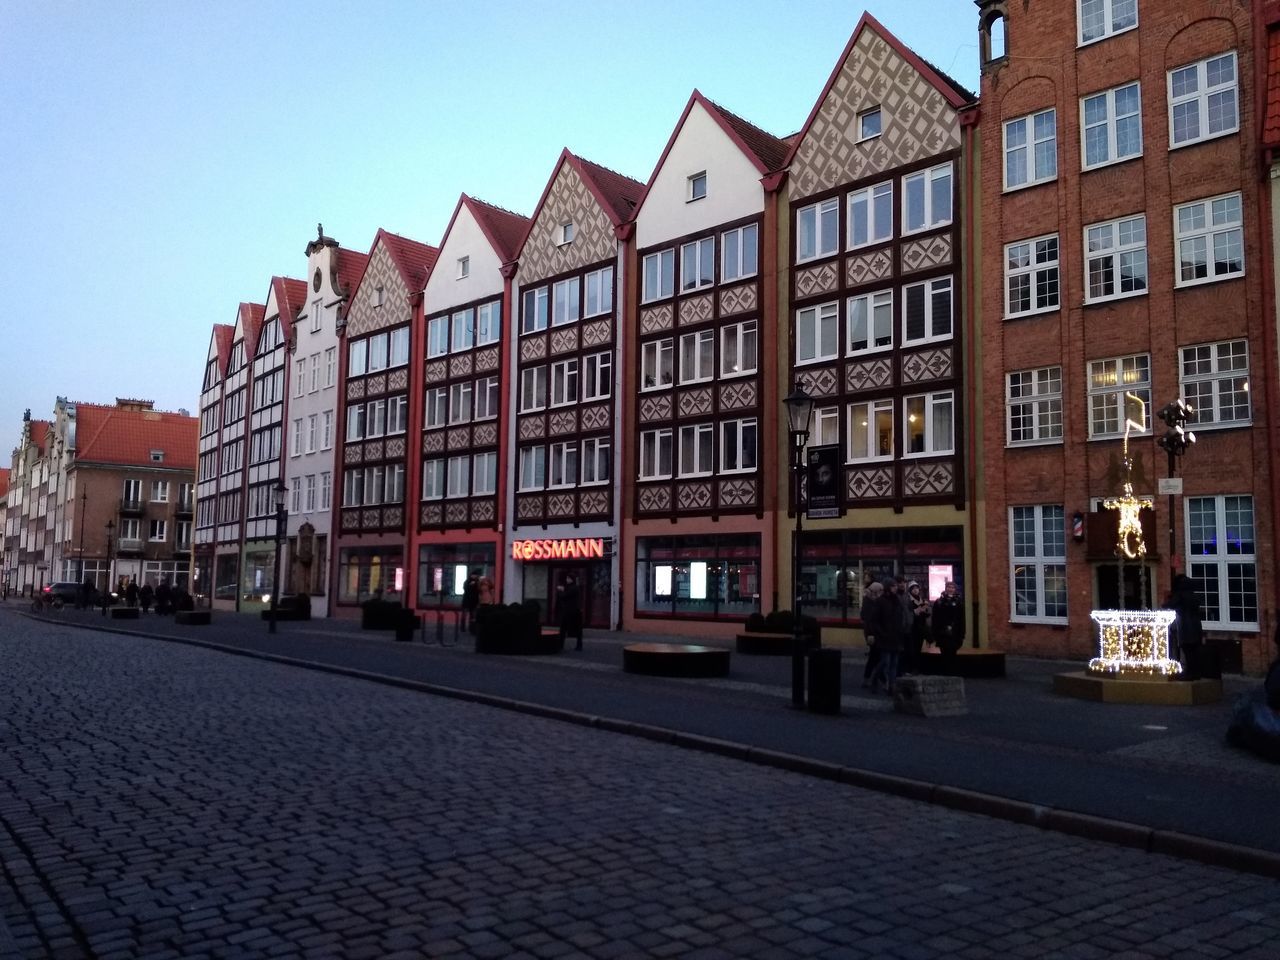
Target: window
<point>311,433</point>
<point>1031,276</point>
<point>698,264</point>
<point>1112,124</point>
<point>437,406</point>
<point>132,491</point>
<point>464,267</point>
<point>659,275</point>
<point>1103,18</point>
<point>399,347</point>
<point>460,402</point>
<point>488,323</point>
<point>926,199</point>
<point>1033,399</point>
<point>826,427</point>
<point>655,364</point>
<point>564,465</point>
<point>484,474</point>
<point>655,454</point>
<point>816,333</point>
<point>533,468</point>
<point>397,415</point>
<point>378,352</point>
<point>357,358</point>
<point>599,284</point>
<point>1222,560</point>
<point>159,530</point>
<point>738,349</point>
<point>326,430</point>
<point>533,389</point>
<point>457,477</point>
<point>929,424</point>
<point>564,302</point>
<point>1109,381</point>
<point>375,421</point>
<point>871,215</point>
<point>295,495</point>
<point>927,311</point>
<point>129,529</point>
<point>1215,381</point>
<point>186,495</point>
<point>869,124</point>
<point>355,424</point>
<point>871,431</point>
<point>1202,101</point>
<point>817,230</point>
<point>871,322</point>
<point>596,460</point>
<point>393,492</point>
<point>533,317</point>
<point>1031,149</point>
<point>564,382</point>
<point>739,253</point>
<point>317,315</point>
<point>738,445</point>
<point>565,234</point>
<point>311,493</point>
<point>1116,259</point>
<point>330,366</point>
<point>438,336</point>
<point>1209,225</point>
<point>315,372</point>
<point>353,489</point>
<point>697,356</point>
<point>464,330</point>
<point>433,480</point>
<point>486,394</point>
<point>326,490</point>
<point>696,442</point>
<point>698,186</point>
<point>1038,567</point>
<point>159,491</point>
<point>597,376</point>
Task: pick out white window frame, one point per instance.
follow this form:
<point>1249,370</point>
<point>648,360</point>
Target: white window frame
<point>874,205</point>
<point>734,436</point>
<point>566,294</point>
<point>735,359</point>
<point>1212,370</point>
<point>1219,562</point>
<point>310,502</point>
<point>701,449</point>
<point>879,309</point>
<point>1109,28</point>
<point>457,484</point>
<point>809,346</point>
<point>933,219</point>
<point>565,233</point>
<point>864,118</point>
<point>438,336</point>
<point>697,357</point>
<point>312,423</point>
<point>1039,558</point>
<point>826,427</point>
<point>315,373</point>
<point>934,446</point>
<point>740,253</point>
<point>398,348</point>
<point>532,471</point>
<point>159,491</point>
<point>1117,248</point>
<point>657,356</point>
<point>597,376</point>
<point>375,422</point>
<point>697,264</point>
<point>1110,122</point>
<point>1201,97</point>
<point>697,184</point>
<point>330,366</point>
<point>295,440</point>
<point>436,412</point>
<point>486,398</point>
<point>658,273</point>
<point>326,430</point>
<point>326,490</point>
<point>931,289</point>
<point>1110,379</point>
<point>818,213</point>
<point>488,323</point>
<point>653,443</point>
<point>1209,233</point>
<point>397,415</point>
<point>1030,146</point>
<point>464,268</point>
<point>533,389</point>
<point>357,358</point>
<point>157,530</point>
<point>1040,391</point>
<point>563,383</point>
<point>378,352</point>
<point>562,465</point>
<point>462,326</point>
<point>484,474</point>
<point>1033,261</point>
<point>863,416</point>
<point>596,461</point>
<point>299,377</point>
<point>598,286</point>
<point>535,312</point>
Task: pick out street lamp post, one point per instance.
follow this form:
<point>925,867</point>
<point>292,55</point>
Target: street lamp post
<point>84,499</point>
<point>106,591</point>
<point>279,493</point>
<point>1177,438</point>
<point>799,406</point>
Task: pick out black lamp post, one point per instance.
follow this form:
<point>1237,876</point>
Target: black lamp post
<point>84,509</point>
<point>1175,441</point>
<point>106,592</point>
<point>279,494</point>
<point>799,406</point>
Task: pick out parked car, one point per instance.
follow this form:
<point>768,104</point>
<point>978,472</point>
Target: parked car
<point>68,591</point>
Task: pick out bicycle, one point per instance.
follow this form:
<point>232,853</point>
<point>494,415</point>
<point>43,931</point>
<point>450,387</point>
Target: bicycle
<point>41,603</point>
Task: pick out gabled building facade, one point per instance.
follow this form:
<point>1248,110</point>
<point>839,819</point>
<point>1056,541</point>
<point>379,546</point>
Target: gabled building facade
<point>563,514</point>
<point>28,551</point>
<point>701,404</point>
<point>877,194</point>
<point>209,460</point>
<point>461,480</point>
<point>379,334</point>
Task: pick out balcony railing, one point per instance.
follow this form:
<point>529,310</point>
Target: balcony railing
<point>128,507</point>
<point>185,508</point>
<point>129,545</point>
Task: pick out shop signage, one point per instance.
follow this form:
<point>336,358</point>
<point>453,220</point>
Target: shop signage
<point>571,549</point>
<point>823,483</point>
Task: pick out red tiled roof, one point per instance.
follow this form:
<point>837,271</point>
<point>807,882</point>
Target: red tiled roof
<point>250,317</point>
<point>39,434</point>
<point>4,481</point>
<point>350,269</point>
<point>127,437</point>
<point>764,147</point>
<point>413,259</point>
<point>223,334</point>
<point>618,194</point>
<point>291,296</point>
<point>1271,121</point>
<point>505,230</point>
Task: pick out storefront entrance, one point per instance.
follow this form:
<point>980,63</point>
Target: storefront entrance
<point>544,582</point>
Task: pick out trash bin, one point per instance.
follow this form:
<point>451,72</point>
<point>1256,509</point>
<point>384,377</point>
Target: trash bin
<point>406,624</point>
<point>824,681</point>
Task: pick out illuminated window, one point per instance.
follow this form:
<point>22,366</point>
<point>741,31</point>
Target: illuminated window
<point>870,431</point>
<point>1109,381</point>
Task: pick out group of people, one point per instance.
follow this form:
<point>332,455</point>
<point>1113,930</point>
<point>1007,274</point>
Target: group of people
<point>477,591</point>
<point>899,622</point>
<point>165,598</point>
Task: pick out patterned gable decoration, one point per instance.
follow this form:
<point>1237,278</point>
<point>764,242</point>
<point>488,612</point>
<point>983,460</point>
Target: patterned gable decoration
<point>917,121</point>
<point>568,200</point>
<point>364,316</point>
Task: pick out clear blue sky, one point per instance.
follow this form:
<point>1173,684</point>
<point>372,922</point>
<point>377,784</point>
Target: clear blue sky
<point>160,161</point>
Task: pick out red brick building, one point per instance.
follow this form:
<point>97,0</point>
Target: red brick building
<point>1122,252</point>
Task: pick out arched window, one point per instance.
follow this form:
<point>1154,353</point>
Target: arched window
<point>994,39</point>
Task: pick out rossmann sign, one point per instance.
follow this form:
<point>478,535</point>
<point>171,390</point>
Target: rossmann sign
<point>579,549</point>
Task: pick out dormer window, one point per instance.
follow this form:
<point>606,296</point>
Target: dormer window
<point>566,233</point>
<point>697,186</point>
<point>157,456</point>
<point>464,267</point>
<point>869,124</point>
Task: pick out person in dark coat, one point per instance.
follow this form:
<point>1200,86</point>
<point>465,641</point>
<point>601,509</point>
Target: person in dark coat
<point>891,622</point>
<point>569,606</point>
<point>1185,602</point>
<point>164,597</point>
<point>918,634</point>
<point>869,615</point>
<point>948,624</point>
<point>131,593</point>
<point>470,600</point>
<point>145,594</point>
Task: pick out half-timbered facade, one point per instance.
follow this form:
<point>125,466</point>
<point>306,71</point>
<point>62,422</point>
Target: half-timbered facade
<point>876,309</point>
<point>565,391</point>
<point>376,346</point>
<point>208,463</point>
<point>702,402</point>
<point>461,479</point>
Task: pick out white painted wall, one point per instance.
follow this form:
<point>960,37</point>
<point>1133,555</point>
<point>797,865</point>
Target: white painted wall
<point>465,239</point>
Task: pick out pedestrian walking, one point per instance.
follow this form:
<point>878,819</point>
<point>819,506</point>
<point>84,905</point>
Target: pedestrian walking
<point>131,593</point>
<point>145,595</point>
<point>569,606</point>
<point>164,597</point>
<point>486,591</point>
<point>869,615</point>
<point>919,633</point>
<point>470,600</point>
<point>1185,602</point>
<point>947,624</point>
<point>892,622</point>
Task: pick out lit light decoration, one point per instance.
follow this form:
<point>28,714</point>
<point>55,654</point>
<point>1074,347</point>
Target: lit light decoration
<point>1129,541</point>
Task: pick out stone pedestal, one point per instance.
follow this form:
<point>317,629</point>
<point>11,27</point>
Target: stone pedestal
<point>930,696</point>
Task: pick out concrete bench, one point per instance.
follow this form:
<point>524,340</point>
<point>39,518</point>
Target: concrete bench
<point>675,660</point>
<point>930,696</point>
<point>968,662</point>
<point>124,613</point>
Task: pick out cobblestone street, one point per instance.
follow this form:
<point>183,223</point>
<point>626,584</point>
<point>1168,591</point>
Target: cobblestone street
<point>166,801</point>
